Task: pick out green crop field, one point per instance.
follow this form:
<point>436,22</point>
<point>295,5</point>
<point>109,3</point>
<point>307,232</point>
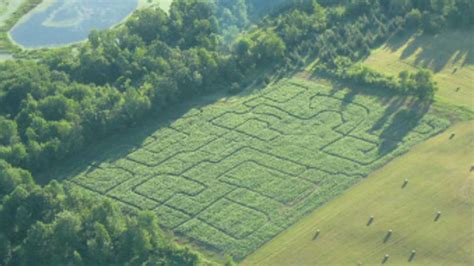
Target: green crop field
<point>449,54</point>
<point>232,174</point>
<point>440,178</point>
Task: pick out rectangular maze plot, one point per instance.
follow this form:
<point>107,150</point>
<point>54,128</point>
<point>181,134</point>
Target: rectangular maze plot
<point>232,175</point>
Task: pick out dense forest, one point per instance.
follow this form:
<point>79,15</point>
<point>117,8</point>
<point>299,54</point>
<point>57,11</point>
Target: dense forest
<point>71,97</point>
<point>53,226</point>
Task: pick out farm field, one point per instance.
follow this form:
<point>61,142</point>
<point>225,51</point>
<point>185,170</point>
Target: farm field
<point>449,54</point>
<point>233,174</point>
<point>439,179</point>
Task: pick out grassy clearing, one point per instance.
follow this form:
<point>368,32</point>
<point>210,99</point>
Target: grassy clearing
<point>165,4</point>
<point>439,178</point>
<point>3,6</point>
<point>14,10</point>
<point>233,174</point>
<point>449,54</point>
<point>7,7</point>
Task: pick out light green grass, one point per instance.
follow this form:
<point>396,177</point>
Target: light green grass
<point>439,179</point>
<point>7,7</point>
<point>163,4</point>
<point>3,7</point>
<point>233,174</point>
<point>14,10</point>
<point>449,54</point>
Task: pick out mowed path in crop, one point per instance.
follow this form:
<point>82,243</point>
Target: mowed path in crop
<point>439,179</point>
<point>450,55</point>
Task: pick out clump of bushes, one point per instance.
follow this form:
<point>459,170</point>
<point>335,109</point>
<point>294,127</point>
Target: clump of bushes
<point>419,83</point>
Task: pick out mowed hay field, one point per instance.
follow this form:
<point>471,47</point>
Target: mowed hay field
<point>232,174</point>
<point>439,179</point>
<point>449,54</point>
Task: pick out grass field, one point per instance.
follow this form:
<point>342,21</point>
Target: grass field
<point>449,54</point>
<point>7,7</point>
<point>165,4</point>
<point>3,6</point>
<point>439,178</point>
<point>232,174</point>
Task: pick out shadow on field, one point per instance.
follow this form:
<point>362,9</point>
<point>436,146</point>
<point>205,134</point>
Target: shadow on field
<point>122,142</point>
<point>436,51</point>
<point>393,106</point>
<point>401,115</point>
<point>397,41</point>
<point>402,119</point>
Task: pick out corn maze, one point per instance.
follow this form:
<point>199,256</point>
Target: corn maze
<point>232,175</point>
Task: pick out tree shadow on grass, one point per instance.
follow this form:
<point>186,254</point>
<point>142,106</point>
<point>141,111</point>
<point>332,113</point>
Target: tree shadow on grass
<point>121,142</point>
<point>397,41</point>
<point>436,51</point>
<point>401,115</point>
<point>394,106</point>
<point>401,123</point>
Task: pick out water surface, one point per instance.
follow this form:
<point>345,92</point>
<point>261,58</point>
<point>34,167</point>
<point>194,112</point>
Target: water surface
<point>61,22</point>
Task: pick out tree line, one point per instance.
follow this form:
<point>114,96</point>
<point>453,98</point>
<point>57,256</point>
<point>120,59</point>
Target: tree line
<point>434,15</point>
<point>339,36</point>
<point>51,225</point>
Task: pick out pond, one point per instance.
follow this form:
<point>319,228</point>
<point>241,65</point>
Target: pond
<point>61,22</point>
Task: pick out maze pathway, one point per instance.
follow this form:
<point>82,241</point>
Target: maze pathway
<point>232,176</point>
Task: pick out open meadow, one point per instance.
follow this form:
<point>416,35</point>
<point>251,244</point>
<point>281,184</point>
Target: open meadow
<point>440,178</point>
<point>232,174</point>
<point>164,4</point>
<point>7,8</point>
<point>450,55</point>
